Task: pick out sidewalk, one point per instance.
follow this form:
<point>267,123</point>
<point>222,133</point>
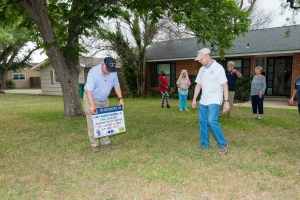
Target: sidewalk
<point>270,104</point>
<point>24,91</point>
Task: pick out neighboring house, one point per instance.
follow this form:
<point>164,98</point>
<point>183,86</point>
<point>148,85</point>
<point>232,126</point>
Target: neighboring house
<point>271,48</point>
<point>50,83</point>
<point>25,78</point>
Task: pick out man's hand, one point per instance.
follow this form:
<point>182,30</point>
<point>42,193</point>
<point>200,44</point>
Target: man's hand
<point>93,109</point>
<point>121,103</point>
<point>194,104</point>
<point>226,106</point>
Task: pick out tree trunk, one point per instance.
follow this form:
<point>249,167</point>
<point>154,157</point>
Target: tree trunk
<point>143,84</point>
<point>3,79</point>
<point>67,72</point>
<point>69,81</point>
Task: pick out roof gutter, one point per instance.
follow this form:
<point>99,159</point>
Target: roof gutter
<point>228,56</point>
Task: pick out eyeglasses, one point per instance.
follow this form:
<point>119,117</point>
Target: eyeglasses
<point>112,64</point>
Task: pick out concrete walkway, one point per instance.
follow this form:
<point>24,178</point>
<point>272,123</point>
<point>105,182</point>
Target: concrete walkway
<point>267,103</point>
<point>24,91</point>
<point>271,104</point>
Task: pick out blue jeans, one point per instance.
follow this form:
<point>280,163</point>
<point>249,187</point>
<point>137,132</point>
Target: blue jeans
<point>208,120</point>
<point>182,101</point>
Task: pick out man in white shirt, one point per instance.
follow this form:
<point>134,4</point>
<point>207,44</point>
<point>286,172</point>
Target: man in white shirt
<point>212,79</point>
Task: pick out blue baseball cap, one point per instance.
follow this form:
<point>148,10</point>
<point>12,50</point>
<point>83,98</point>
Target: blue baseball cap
<point>110,64</point>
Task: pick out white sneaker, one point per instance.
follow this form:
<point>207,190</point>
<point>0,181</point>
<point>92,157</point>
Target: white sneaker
<point>180,109</point>
<point>187,110</point>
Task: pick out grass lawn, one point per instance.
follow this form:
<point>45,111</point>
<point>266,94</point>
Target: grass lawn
<point>43,156</point>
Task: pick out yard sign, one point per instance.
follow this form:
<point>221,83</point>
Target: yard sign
<point>108,121</point>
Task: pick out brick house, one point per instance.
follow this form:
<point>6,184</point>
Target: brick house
<point>271,48</point>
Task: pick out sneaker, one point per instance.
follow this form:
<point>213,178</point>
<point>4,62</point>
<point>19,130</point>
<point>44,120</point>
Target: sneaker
<point>109,146</point>
<point>168,106</point>
<point>95,149</point>
<point>186,109</point>
<point>162,106</point>
<point>180,109</point>
<point>223,150</point>
<point>201,148</point>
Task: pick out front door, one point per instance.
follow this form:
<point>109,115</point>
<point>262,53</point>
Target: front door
<point>278,76</point>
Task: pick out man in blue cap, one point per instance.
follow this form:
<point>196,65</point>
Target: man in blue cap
<point>100,80</point>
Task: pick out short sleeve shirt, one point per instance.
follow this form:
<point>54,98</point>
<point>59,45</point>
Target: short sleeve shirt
<point>164,80</point>
<point>211,79</point>
<point>101,84</point>
<point>231,77</point>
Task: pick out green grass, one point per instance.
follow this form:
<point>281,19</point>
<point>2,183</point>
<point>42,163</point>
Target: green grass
<point>43,156</point>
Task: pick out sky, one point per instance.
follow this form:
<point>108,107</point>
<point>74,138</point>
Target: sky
<point>273,5</point>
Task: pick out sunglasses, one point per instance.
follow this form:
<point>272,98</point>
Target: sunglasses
<point>112,64</point>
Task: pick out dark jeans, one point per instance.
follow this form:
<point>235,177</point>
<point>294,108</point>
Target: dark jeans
<point>257,103</point>
<point>299,108</point>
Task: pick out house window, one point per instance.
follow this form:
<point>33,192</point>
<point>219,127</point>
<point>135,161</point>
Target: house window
<point>241,65</point>
<point>170,70</point>
<point>54,77</point>
<point>166,67</point>
<point>18,76</point>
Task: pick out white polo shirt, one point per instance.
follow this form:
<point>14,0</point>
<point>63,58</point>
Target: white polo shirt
<point>211,79</point>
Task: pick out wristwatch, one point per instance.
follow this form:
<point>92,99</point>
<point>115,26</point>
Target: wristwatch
<point>120,98</point>
<point>226,100</point>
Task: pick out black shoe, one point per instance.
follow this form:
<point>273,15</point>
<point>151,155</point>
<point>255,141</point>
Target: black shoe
<point>168,106</point>
<point>162,106</point>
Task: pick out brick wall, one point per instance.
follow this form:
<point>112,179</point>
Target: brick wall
<point>191,66</point>
<point>296,69</point>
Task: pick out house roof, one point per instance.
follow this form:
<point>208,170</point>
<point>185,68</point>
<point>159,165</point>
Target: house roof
<point>84,62</point>
<point>261,42</point>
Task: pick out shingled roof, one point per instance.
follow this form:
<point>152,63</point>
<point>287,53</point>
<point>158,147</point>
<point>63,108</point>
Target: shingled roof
<point>261,42</point>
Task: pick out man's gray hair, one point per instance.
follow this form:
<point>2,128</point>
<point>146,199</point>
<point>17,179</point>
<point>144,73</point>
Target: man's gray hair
<point>231,62</point>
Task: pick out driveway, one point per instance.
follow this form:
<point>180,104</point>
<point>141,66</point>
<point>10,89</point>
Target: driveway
<point>24,91</point>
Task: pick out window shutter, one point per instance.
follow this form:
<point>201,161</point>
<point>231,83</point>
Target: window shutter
<point>153,75</point>
<point>51,76</point>
<point>246,67</point>
<point>173,74</point>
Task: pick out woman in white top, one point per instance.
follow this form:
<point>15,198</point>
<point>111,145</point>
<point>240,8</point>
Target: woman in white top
<point>183,84</point>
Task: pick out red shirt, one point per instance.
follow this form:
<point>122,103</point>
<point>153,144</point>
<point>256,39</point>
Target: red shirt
<point>164,81</point>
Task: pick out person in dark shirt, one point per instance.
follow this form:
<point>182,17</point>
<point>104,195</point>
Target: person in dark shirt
<point>296,90</point>
<point>232,75</point>
<point>163,88</point>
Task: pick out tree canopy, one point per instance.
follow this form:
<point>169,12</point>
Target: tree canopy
<point>61,24</point>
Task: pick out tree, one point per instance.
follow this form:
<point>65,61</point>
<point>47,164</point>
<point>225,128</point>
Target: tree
<point>260,18</point>
<point>144,21</point>
<point>61,24</point>
<point>294,5</point>
<point>13,51</point>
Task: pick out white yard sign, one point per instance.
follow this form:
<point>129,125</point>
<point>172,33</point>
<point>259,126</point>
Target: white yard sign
<point>108,121</point>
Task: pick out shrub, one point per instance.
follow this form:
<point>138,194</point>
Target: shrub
<point>243,86</point>
<point>10,84</point>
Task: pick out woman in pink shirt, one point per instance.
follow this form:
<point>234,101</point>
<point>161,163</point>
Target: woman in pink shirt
<point>183,84</point>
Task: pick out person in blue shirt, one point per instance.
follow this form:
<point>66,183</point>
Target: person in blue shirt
<point>232,75</point>
<point>296,90</point>
<point>100,81</point>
